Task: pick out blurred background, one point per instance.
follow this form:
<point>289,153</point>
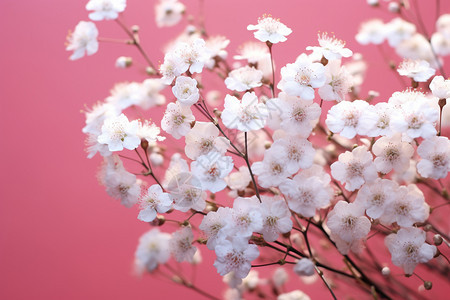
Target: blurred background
<point>61,235</point>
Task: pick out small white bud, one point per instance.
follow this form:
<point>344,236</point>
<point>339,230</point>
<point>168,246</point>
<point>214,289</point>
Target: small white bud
<point>197,259</point>
<point>156,159</point>
<point>304,267</point>
<point>123,62</point>
<point>279,277</point>
<point>386,271</point>
<point>394,7</point>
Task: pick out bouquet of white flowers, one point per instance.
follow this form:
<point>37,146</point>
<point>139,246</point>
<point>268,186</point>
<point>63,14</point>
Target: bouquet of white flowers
<point>261,174</point>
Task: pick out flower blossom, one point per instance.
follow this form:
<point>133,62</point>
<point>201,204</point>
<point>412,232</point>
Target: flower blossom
<point>154,200</point>
<point>83,40</point>
<point>119,133</point>
<point>181,245</point>
<point>185,90</point>
<point>246,115</point>
<point>177,120</point>
<point>354,168</point>
<point>348,226</point>
<point>152,250</point>
<point>435,154</point>
<point>419,70</point>
<point>408,248</point>
<point>244,79</point>
<point>300,78</point>
<point>331,48</point>
<point>235,255</point>
<point>168,12</point>
<point>211,169</point>
<point>270,30</point>
<point>105,9</point>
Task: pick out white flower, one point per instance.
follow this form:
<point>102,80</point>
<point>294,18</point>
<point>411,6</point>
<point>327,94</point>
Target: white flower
<point>213,223</point>
<point>126,94</point>
<point>245,115</point>
<point>185,90</point>
<point>83,40</point>
<point>246,217</point>
<point>371,32</point>
<point>294,295</point>
<point>276,217</point>
<point>186,191</point>
<point>280,277</point>
<point>251,281</point>
<point>204,138</point>
<point>96,116</point>
<point>119,183</point>
<point>150,132</point>
<point>210,169</point>
<point>298,116</point>
<point>408,207</point>
<point>177,120</point>
<point>299,78</point>
<point>416,119</point>
<point>443,25</point>
<point>440,44</point>
<point>351,118</point>
<point>408,248</point>
<point>392,153</point>
<point>239,180</point>
<point>181,245</point>
<point>244,79</point>
<point>304,267</point>
<point>331,48</point>
<point>105,9</point>
<point>306,194</point>
<point>419,70</point>
<point>235,256</point>
<point>273,170</point>
<point>171,68</point>
<point>152,250</point>
<point>253,52</point>
<point>440,87</point>
<point>177,166</point>
<point>168,12</point>
<point>382,126</point>
<point>93,146</point>
<point>155,200</point>
<point>270,30</point>
<point>377,196</point>
<point>216,46</point>
<point>299,152</point>
<point>338,82</point>
<point>435,154</point>
<point>398,30</point>
<point>151,89</point>
<point>416,47</point>
<point>354,168</point>
<point>119,133</point>
<point>191,56</point>
<point>348,224</point>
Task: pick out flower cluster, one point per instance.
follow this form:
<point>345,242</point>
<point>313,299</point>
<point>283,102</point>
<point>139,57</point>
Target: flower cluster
<point>260,170</point>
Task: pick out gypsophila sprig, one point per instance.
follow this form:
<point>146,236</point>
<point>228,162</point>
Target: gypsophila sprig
<point>298,169</point>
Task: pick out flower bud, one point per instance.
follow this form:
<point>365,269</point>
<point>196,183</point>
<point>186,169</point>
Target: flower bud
<point>123,62</point>
<point>394,7</point>
<point>156,159</point>
<point>428,285</point>
<point>437,239</point>
<point>386,271</point>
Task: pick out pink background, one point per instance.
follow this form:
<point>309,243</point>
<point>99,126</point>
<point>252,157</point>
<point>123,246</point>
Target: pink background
<point>61,236</point>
